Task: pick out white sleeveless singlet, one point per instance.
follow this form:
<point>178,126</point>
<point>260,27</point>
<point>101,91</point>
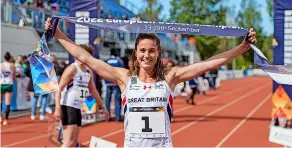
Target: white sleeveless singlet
<point>77,89</point>
<point>147,112</point>
<point>6,74</point>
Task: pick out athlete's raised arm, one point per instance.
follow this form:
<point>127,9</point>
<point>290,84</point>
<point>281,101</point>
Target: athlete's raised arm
<point>181,74</point>
<point>116,75</point>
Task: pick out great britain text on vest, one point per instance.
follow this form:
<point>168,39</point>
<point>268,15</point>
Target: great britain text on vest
<point>154,99</point>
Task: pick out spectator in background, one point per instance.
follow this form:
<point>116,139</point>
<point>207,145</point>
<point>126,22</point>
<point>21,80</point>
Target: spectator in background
<point>43,100</point>
<point>126,58</point>
<point>25,65</point>
<point>19,68</point>
<point>186,42</point>
<point>55,7</point>
<point>57,66</point>
<point>213,78</point>
<point>208,77</point>
<point>112,88</point>
<point>47,5</point>
<point>101,8</point>
<point>39,4</point>
<point>203,84</point>
<point>193,83</point>
<point>63,66</point>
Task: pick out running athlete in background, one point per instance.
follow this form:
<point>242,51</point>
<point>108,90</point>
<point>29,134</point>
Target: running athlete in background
<point>7,79</point>
<point>80,81</point>
<point>147,90</point>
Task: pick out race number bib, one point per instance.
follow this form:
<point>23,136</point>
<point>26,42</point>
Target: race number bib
<point>146,122</point>
<point>5,79</point>
<point>78,93</point>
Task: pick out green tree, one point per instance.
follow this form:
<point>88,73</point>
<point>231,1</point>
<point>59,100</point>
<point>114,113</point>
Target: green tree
<point>249,16</point>
<point>270,8</point>
<point>151,12</point>
<point>201,12</point>
<point>269,40</point>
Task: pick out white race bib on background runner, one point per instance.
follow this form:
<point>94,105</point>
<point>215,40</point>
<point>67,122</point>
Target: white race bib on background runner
<point>79,93</point>
<point>146,122</point>
<point>5,80</point>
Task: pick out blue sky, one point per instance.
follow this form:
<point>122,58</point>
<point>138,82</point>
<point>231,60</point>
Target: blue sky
<point>266,22</point>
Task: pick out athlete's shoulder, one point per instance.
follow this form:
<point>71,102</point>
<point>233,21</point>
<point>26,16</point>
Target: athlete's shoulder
<point>71,68</point>
<point>72,65</point>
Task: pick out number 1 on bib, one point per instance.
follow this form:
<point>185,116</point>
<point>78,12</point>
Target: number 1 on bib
<point>146,129</point>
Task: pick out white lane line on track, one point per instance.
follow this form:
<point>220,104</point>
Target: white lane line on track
<point>217,110</point>
<point>210,99</point>
<point>26,140</point>
<point>243,121</point>
<point>16,128</point>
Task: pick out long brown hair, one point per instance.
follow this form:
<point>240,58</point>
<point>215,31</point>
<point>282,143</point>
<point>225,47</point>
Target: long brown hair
<point>134,67</point>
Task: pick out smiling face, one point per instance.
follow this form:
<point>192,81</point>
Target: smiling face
<point>147,53</point>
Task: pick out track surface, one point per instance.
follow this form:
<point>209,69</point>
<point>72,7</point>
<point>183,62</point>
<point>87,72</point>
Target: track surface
<point>235,115</point>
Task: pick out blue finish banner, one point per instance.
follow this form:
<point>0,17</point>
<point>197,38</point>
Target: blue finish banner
<point>282,74</point>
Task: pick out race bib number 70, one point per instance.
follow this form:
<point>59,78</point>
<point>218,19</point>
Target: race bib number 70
<point>146,122</point>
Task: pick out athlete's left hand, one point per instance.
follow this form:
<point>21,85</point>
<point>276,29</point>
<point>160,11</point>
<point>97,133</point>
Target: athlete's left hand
<point>251,37</point>
<point>106,114</point>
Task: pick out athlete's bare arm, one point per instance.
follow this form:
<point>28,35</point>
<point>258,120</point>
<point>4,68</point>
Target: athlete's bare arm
<point>66,77</point>
<point>181,74</point>
<point>115,75</point>
<point>95,94</point>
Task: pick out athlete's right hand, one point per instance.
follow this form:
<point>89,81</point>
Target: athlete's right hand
<point>48,24</point>
<point>57,114</point>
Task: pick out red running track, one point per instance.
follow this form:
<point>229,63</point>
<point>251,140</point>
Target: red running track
<point>235,115</point>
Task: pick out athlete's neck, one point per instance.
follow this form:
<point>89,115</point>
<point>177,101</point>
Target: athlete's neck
<point>147,75</point>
